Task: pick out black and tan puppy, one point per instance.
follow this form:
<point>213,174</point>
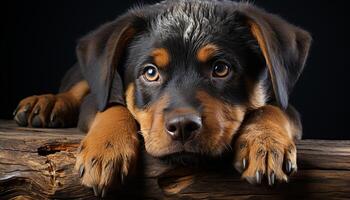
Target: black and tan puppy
<point>193,75</point>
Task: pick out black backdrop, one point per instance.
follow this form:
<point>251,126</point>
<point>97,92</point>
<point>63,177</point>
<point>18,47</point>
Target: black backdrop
<point>38,40</point>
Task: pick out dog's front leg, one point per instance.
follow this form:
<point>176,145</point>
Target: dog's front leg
<point>109,151</point>
<point>265,146</point>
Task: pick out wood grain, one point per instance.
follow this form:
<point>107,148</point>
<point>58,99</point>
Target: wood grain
<point>38,164</point>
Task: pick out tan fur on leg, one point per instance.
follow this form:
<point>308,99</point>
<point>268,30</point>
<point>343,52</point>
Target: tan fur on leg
<point>265,146</point>
<point>109,151</point>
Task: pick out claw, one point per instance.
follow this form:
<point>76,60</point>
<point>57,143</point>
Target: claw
<point>244,163</point>
<point>122,178</point>
<point>26,107</point>
<point>95,190</point>
<point>103,193</point>
<point>288,166</point>
<point>52,117</point>
<point>37,110</point>
<point>258,177</point>
<point>53,123</point>
<point>81,171</point>
<point>271,179</point>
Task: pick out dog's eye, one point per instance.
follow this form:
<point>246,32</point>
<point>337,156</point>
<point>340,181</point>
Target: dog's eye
<point>221,70</point>
<point>150,73</point>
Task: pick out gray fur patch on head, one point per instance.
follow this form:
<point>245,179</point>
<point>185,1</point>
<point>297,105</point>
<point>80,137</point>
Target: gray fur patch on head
<point>190,19</point>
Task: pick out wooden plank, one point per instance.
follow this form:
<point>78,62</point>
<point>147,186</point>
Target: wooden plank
<point>38,164</point>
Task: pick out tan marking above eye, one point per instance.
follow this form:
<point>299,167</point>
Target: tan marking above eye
<point>161,57</point>
<point>206,52</point>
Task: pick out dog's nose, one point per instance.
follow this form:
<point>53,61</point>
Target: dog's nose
<point>183,127</point>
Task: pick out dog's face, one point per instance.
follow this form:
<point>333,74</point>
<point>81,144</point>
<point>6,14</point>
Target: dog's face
<point>193,69</point>
<point>188,86</point>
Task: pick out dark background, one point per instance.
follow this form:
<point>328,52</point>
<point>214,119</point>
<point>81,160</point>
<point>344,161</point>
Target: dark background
<point>38,40</point>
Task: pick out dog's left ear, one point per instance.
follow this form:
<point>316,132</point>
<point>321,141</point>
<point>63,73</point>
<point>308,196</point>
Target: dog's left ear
<point>284,46</point>
<point>100,55</point>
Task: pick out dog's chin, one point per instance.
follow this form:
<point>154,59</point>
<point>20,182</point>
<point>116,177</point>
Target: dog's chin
<point>195,159</point>
<point>183,158</point>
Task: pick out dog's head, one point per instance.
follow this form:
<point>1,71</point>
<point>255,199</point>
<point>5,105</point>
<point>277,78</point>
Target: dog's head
<point>188,71</point>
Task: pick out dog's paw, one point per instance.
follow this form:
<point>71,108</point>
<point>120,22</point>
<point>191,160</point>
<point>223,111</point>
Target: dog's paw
<point>48,110</point>
<point>104,158</point>
<point>265,153</point>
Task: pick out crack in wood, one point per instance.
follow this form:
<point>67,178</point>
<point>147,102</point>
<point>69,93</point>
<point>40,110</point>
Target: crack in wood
<point>56,147</point>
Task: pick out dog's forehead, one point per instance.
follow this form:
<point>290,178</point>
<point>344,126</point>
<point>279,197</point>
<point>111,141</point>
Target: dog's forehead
<point>192,21</point>
<point>182,33</point>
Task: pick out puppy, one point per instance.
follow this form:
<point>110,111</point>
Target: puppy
<point>195,78</point>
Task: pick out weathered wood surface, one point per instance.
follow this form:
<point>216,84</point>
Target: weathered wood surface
<point>38,164</point>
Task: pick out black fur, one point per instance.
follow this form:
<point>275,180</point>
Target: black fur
<point>110,58</point>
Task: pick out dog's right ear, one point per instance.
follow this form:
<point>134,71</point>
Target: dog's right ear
<point>100,55</point>
<point>284,46</point>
